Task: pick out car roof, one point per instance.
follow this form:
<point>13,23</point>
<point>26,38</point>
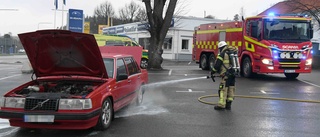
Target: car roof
<point>114,55</point>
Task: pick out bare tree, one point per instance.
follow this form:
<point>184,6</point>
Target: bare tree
<point>142,15</point>
<point>159,26</point>
<point>236,17</point>
<point>309,7</point>
<point>104,11</point>
<point>130,12</point>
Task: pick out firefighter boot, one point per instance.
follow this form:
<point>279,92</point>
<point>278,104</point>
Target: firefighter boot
<point>218,108</point>
<point>222,98</point>
<point>228,105</point>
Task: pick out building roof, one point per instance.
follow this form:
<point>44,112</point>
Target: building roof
<point>292,6</point>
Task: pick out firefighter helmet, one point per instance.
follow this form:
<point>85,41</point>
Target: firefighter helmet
<point>222,44</point>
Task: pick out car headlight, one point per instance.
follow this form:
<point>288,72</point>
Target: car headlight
<point>12,102</point>
<point>75,104</point>
<point>308,61</point>
<point>267,61</point>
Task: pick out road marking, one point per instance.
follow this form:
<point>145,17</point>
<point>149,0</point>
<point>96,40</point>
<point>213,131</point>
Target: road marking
<point>310,83</point>
<point>263,91</point>
<point>266,93</point>
<point>170,72</point>
<point>10,76</point>
<point>190,91</point>
<point>9,132</point>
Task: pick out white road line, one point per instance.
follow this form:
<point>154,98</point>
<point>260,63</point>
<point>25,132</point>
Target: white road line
<point>170,72</point>
<point>190,90</point>
<point>10,76</point>
<point>310,83</point>
<point>263,91</point>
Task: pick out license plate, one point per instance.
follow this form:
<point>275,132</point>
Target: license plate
<point>289,71</point>
<point>38,118</point>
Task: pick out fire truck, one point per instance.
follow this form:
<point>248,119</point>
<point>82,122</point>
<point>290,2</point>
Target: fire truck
<point>267,44</point>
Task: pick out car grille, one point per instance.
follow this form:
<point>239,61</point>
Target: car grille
<point>41,104</point>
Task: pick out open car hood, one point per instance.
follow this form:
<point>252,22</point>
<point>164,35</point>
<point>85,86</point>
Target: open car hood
<point>62,52</point>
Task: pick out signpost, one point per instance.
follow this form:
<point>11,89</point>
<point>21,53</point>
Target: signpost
<point>76,21</point>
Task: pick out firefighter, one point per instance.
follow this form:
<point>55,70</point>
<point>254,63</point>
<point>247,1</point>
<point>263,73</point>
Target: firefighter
<point>224,68</point>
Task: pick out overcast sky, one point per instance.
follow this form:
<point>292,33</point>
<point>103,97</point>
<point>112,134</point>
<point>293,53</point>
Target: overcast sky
<point>31,15</point>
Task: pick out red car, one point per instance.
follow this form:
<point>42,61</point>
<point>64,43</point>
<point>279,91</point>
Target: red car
<point>74,84</point>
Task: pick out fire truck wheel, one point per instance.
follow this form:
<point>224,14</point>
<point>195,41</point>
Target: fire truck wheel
<point>204,62</point>
<point>212,60</point>
<point>247,68</point>
<point>291,75</point>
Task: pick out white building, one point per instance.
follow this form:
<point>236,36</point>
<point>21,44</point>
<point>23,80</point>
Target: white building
<point>178,42</point>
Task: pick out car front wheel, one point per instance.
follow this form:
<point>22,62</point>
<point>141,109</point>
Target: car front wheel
<point>106,115</point>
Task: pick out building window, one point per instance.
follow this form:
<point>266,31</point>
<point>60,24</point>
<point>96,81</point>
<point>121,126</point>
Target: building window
<point>185,44</point>
<point>167,44</point>
<point>145,42</point>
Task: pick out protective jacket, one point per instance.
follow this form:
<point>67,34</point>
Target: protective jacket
<point>223,61</point>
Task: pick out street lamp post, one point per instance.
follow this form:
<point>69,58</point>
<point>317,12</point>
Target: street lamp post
<point>55,10</point>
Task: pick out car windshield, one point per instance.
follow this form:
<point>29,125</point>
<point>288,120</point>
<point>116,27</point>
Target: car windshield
<point>286,30</point>
<point>109,64</point>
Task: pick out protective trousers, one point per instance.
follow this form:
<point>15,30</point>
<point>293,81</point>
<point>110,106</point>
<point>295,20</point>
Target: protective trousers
<point>226,90</point>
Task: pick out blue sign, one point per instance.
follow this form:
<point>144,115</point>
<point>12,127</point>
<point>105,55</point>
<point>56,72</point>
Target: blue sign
<point>75,20</point>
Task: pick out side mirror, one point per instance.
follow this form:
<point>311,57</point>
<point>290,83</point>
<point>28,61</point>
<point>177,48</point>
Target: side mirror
<point>311,33</point>
<point>122,77</point>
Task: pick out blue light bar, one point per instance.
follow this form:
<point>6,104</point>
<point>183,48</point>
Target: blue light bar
<point>271,14</point>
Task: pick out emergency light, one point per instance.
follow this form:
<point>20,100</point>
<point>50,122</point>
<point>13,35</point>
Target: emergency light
<point>271,14</point>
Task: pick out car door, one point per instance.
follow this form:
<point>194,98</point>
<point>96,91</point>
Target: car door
<point>134,75</point>
<point>123,83</point>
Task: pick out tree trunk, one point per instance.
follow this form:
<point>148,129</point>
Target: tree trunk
<point>155,54</point>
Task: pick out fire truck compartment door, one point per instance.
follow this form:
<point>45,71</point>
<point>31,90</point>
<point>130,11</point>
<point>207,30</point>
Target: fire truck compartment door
<point>222,36</point>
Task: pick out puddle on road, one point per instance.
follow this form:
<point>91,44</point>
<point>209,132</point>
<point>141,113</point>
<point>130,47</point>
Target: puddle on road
<point>152,100</point>
<point>147,108</point>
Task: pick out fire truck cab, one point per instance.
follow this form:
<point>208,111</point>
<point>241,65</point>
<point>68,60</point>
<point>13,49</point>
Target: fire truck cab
<point>267,44</point>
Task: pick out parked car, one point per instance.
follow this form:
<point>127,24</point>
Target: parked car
<point>75,85</point>
<point>122,40</point>
<point>21,51</point>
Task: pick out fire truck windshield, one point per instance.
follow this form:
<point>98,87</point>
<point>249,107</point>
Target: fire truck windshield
<point>286,30</point>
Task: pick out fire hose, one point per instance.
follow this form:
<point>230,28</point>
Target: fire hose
<point>201,99</point>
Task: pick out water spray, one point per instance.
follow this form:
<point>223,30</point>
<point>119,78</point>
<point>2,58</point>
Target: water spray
<point>172,82</point>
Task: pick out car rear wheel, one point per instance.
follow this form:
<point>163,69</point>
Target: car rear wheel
<point>106,115</point>
<point>140,93</point>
